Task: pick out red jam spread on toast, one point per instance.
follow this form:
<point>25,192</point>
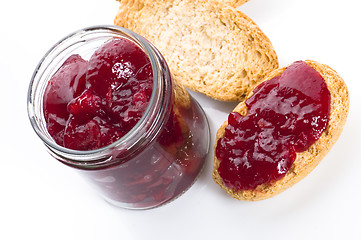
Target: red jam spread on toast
<point>286,115</point>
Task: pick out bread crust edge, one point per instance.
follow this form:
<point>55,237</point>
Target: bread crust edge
<point>131,12</point>
<point>305,161</point>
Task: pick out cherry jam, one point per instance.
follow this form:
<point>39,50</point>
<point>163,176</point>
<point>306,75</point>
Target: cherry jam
<point>286,115</point>
<point>103,102</point>
<point>91,104</point>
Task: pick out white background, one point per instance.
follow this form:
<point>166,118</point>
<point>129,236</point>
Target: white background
<point>43,199</point>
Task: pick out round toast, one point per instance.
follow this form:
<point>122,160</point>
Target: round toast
<point>305,161</point>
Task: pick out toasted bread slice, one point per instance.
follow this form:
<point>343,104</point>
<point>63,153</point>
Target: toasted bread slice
<point>306,161</point>
<point>210,47</point>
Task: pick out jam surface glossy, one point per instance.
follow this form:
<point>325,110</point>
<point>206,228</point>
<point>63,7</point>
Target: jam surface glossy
<point>286,114</point>
<point>89,104</point>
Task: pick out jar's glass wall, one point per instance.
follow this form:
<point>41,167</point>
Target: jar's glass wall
<point>159,158</point>
<point>164,169</point>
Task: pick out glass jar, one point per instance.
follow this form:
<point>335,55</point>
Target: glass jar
<point>145,168</point>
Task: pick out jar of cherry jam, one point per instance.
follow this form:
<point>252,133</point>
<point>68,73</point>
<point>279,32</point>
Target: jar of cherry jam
<point>103,102</point>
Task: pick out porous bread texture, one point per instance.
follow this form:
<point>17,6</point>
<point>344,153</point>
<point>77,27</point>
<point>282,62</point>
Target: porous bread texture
<point>233,3</point>
<point>210,47</point>
<point>306,161</point>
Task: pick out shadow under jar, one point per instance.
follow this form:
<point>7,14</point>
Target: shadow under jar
<point>158,159</point>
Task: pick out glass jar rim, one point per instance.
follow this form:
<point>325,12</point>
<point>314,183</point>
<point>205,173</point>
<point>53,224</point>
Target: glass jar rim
<point>152,53</point>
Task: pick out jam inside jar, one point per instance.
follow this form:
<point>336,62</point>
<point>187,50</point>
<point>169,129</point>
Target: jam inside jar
<point>103,102</point>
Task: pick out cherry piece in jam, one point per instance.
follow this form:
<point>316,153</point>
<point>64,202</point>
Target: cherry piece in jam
<point>286,114</point>
<point>66,84</point>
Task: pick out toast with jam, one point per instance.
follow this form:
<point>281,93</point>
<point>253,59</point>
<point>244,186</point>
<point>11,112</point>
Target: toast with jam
<point>281,132</point>
<point>210,46</point>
